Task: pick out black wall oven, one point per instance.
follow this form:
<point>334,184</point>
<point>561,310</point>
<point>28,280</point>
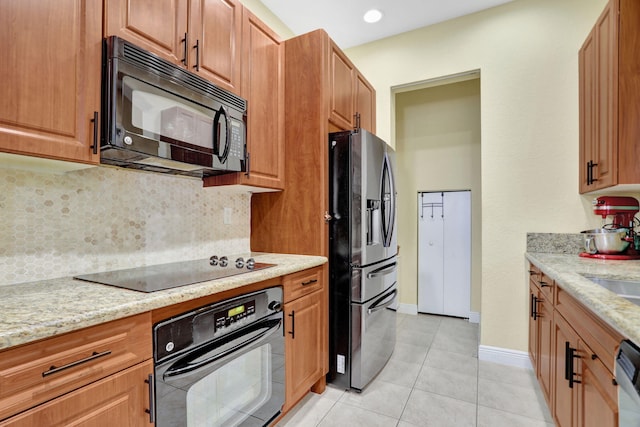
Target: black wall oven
<point>221,365</point>
<point>162,118</point>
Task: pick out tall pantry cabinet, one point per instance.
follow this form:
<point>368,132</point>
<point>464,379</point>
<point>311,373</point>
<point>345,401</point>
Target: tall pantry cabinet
<point>320,97</point>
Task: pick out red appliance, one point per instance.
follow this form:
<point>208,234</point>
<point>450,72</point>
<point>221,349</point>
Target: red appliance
<point>623,209</point>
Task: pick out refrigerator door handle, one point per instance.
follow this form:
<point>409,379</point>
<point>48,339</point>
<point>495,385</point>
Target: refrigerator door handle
<point>387,269</point>
<point>383,302</point>
<point>388,201</point>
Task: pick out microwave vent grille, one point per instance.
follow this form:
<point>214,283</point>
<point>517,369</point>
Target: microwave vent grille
<point>141,58</point>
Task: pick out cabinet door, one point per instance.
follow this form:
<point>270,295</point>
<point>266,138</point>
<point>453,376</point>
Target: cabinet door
<point>215,28</point>
<point>365,103</point>
<point>159,26</point>
<point>305,345</point>
<point>118,400</point>
<point>565,398</point>
<point>533,326</point>
<point>545,345</point>
<point>263,87</point>
<point>598,402</point>
<point>341,89</point>
<point>606,140</point>
<point>587,80</point>
<point>50,77</point>
<point>598,75</point>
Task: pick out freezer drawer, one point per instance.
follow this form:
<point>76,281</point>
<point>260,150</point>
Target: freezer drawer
<point>373,336</point>
<point>368,282</point>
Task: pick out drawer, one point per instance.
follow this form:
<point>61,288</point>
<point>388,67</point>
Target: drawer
<point>544,282</point>
<point>37,372</point>
<point>302,283</point>
<point>596,334</point>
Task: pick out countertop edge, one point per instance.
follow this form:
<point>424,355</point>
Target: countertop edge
<point>20,325</point>
<point>622,315</point>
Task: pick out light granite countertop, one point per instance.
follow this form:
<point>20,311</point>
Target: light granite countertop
<point>569,271</point>
<point>36,310</point>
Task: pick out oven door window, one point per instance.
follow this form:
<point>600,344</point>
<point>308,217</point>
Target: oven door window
<point>228,395</point>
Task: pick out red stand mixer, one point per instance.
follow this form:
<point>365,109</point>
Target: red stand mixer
<point>623,210</point>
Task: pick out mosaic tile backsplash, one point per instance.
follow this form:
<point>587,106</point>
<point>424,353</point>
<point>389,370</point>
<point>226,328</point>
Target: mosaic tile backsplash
<point>102,218</point>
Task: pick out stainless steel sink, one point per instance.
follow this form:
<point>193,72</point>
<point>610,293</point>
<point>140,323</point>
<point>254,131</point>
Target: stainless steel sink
<point>627,289</point>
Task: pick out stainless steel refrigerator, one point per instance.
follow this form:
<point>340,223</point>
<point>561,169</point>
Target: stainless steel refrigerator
<point>362,257</point>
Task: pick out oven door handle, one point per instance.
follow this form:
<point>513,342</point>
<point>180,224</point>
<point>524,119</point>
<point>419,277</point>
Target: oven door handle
<point>200,358</point>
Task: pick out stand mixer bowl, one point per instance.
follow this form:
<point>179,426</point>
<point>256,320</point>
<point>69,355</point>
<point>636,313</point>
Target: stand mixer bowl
<point>605,241</point>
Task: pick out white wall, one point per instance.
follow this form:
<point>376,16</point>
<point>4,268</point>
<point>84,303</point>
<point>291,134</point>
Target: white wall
<point>438,148</point>
<point>526,52</point>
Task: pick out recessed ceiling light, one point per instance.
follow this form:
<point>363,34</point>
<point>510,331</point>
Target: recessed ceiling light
<point>372,16</point>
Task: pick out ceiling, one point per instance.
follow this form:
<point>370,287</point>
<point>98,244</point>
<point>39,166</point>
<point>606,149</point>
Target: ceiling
<point>343,19</point>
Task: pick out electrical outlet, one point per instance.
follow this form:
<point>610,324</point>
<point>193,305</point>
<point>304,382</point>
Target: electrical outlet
<point>341,367</point>
<point>227,215</point>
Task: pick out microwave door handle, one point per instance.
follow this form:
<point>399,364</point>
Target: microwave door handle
<point>217,142</point>
<point>186,365</point>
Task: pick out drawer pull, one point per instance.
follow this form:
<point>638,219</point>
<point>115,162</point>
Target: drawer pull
<point>53,369</point>
<point>544,284</point>
<point>308,282</point>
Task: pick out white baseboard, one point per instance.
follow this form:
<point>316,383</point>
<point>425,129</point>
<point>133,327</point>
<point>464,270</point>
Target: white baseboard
<point>407,308</point>
<point>504,356</point>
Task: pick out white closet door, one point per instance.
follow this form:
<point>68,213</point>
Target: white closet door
<point>430,253</point>
<point>457,253</point>
<point>444,253</point>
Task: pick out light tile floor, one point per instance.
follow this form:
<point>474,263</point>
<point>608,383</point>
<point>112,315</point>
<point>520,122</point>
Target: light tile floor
<point>434,378</point>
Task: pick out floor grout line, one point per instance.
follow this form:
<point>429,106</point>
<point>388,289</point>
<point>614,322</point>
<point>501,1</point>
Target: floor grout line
<point>446,332</point>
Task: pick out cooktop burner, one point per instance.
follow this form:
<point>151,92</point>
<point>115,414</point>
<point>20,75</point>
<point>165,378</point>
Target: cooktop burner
<point>166,276</point>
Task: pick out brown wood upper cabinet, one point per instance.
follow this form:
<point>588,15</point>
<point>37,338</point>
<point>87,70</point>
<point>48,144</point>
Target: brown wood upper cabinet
<point>51,78</point>
<point>610,99</point>
<point>201,35</point>
<point>351,96</point>
<point>263,87</point>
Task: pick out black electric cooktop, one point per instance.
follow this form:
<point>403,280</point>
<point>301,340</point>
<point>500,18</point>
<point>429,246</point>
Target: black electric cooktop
<point>166,276</point>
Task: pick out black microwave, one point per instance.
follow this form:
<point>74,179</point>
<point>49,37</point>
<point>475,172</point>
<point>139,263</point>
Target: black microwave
<point>162,118</point>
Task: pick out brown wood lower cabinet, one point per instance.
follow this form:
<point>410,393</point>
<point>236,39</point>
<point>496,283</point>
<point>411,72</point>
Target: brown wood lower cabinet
<point>578,382</point>
<point>90,377</point>
<point>306,339</point>
<point>540,337</point>
<point>118,400</point>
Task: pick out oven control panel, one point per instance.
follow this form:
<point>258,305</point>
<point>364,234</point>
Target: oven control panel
<point>206,324</point>
<point>235,316</point>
